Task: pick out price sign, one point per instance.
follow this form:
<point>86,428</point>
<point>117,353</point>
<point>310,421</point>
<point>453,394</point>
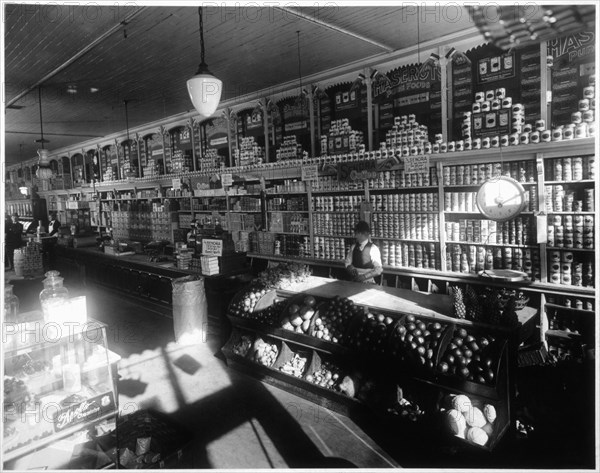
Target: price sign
<point>227,180</point>
<point>310,172</point>
<point>416,164</point>
<point>212,247</point>
<point>176,184</point>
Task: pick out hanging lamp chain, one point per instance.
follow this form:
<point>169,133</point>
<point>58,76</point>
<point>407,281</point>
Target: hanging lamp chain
<point>202,68</point>
<point>41,121</point>
<point>201,24</point>
<point>126,119</point>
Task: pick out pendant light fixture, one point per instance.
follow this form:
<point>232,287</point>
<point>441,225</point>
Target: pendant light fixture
<point>23,189</point>
<point>204,88</point>
<point>43,170</point>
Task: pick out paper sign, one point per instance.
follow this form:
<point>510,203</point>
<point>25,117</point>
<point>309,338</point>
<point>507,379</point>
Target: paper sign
<point>416,164</point>
<point>227,180</point>
<point>212,247</point>
<point>310,172</point>
<point>176,184</point>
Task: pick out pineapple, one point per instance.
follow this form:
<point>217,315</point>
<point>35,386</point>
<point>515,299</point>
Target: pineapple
<point>474,310</point>
<point>460,311</point>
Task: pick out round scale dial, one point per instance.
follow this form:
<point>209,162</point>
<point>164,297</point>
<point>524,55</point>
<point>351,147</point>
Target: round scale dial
<point>501,199</point>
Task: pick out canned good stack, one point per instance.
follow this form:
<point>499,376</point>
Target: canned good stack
<point>289,185</point>
<point>409,202</point>
<point>571,231</point>
<point>460,201</point>
<point>184,259</point>
<point>412,255</point>
<point>570,169</point>
<point>149,170</point>
<point>406,226</point>
<point>331,248</point>
<point>290,149</point>
<point>109,176</point>
<point>407,137</point>
<point>28,260</point>
<point>475,258</point>
<point>342,139</point>
<point>293,245</point>
<point>338,203</point>
<point>295,223</point>
<point>249,153</point>
<point>212,160</point>
<point>330,183</point>
<point>565,268</point>
<point>514,232</point>
<point>335,224</point>
<point>471,174</point>
<point>583,121</point>
<point>398,178</point>
<point>569,302</point>
<point>286,203</point>
<point>563,199</point>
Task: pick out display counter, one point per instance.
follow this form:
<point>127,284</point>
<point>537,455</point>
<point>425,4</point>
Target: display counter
<point>59,385</point>
<point>366,350</point>
<point>138,277</point>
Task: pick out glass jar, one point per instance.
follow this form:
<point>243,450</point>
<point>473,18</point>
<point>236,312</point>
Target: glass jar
<point>11,304</point>
<point>53,295</point>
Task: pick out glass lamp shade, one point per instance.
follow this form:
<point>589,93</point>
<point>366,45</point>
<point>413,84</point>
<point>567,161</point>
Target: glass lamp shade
<point>23,189</point>
<point>205,93</point>
<point>44,158</point>
<point>44,173</point>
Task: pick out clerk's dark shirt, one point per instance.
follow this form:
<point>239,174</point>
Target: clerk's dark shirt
<point>13,235</point>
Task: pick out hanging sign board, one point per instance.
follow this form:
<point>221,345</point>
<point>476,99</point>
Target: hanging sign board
<point>416,164</point>
<point>227,180</point>
<point>212,247</point>
<point>355,171</point>
<point>310,172</point>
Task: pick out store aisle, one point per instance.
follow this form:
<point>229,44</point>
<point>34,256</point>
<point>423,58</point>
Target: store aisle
<point>238,422</point>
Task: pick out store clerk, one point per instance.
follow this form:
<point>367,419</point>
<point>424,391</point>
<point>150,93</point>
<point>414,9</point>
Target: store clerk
<point>363,261</point>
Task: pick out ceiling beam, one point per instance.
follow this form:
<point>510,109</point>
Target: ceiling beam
<point>52,134</point>
<point>86,49</point>
<point>339,29</point>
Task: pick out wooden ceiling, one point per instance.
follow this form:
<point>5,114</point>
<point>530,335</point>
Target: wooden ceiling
<point>146,54</point>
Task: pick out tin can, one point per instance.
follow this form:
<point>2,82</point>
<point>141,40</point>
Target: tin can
<point>557,134</point>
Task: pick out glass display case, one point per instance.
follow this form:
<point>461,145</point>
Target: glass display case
<point>58,384</point>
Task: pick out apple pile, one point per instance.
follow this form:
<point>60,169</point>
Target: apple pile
<point>297,317</point>
<point>469,357</point>
<point>246,308</point>
<point>417,340</point>
<point>372,333</point>
<point>333,318</point>
<point>327,377</point>
<point>468,421</point>
<point>245,305</point>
